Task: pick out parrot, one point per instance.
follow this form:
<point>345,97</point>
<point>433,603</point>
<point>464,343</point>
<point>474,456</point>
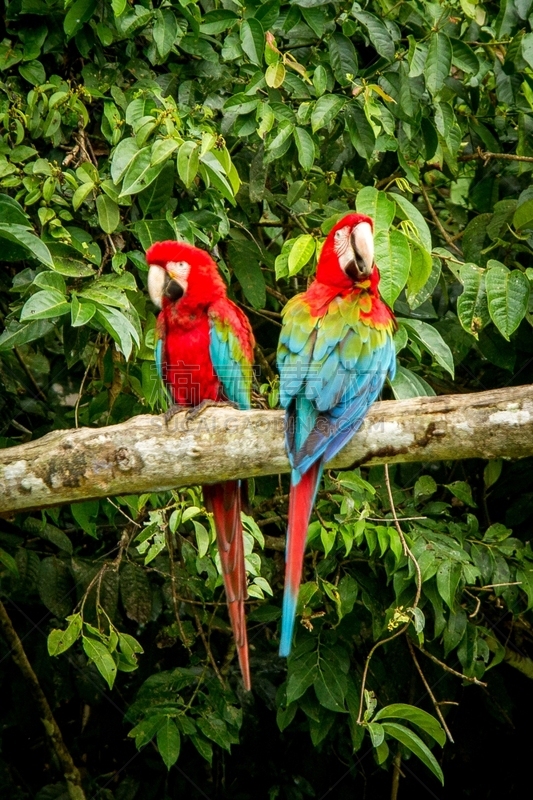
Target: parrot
<point>335,351</point>
<point>204,354</point>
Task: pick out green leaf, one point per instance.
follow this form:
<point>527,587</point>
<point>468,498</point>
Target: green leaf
<point>377,33</point>
<point>98,653</point>
<point>377,206</point>
<point>393,258</point>
<point>120,328</point>
<point>425,486</point>
<point>472,304</point>
<point>415,744</point>
<point>165,31</point>
<point>408,384</point>
<point>462,491</point>
<point>326,109</point>
<point>413,215</point>
<point>78,14</point>
<point>330,685</point>
<point>508,297</point>
<point>16,334</point>
<point>55,586</point>
<point>168,742</point>
<point>66,260</point>
<point>58,641</point>
<point>417,716</point>
<point>33,72</point>
<point>218,21</point>
<point>275,75</point>
<point>123,155</point>
<point>448,577</point>
<point>431,340</point>
<point>81,194</point>
<point>20,235</point>
<point>305,147</point>
<point>188,161</point>
<point>419,273</point>
<point>302,251</point>
<point>253,40</point>
<point>438,62</point>
<point>145,731</point>
<point>464,58</point>
<point>44,305</point>
<point>135,593</point>
<point>108,213</point>
<point>523,216</point>
<point>140,172</point>
<point>302,673</point>
<point>243,257</point>
<point>360,131</point>
<point>343,58</point>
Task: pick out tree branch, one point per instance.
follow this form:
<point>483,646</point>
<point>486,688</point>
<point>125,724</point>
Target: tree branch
<point>147,455</point>
<point>70,770</point>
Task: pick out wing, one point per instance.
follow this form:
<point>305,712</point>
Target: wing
<point>332,368</point>
<point>231,346</point>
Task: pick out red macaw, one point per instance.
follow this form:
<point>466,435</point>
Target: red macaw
<point>335,352</point>
<point>204,354</point>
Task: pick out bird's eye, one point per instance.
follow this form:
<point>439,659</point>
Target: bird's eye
<point>338,234</point>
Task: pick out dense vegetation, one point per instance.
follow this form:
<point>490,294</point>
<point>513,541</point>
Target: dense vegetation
<point>247,130</point>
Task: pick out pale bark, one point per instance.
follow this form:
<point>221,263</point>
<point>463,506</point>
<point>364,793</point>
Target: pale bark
<point>145,454</point>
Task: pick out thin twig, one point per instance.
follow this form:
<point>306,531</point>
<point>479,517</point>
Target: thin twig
<point>170,548</point>
<point>452,671</point>
<point>396,772</point>
<point>428,689</point>
<point>437,221</point>
<point>210,655</point>
<point>52,729</point>
<point>406,550</point>
<point>30,376</point>
<point>264,315</point>
<point>485,155</point>
<point>82,384</point>
<point>408,554</point>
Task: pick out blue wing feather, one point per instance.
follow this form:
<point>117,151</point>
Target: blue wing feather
<point>235,375</point>
<point>327,387</point>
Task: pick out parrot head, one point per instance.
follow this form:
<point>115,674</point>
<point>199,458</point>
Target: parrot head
<point>180,272</point>
<point>347,256</point>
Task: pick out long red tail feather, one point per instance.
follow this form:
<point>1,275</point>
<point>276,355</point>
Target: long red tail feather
<point>301,499</point>
<point>224,501</point>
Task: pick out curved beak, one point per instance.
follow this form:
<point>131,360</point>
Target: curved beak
<point>160,285</point>
<point>173,290</point>
<point>362,241</point>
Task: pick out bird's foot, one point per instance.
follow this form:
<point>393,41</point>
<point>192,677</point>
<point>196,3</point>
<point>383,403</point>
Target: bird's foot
<point>172,411</point>
<point>194,413</point>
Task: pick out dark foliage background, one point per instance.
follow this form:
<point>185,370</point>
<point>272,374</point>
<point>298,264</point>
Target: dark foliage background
<point>248,130</point>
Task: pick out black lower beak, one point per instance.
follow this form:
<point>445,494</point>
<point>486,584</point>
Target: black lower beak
<point>173,290</point>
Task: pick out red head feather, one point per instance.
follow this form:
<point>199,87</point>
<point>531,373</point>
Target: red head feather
<point>204,283</point>
<point>329,270</point>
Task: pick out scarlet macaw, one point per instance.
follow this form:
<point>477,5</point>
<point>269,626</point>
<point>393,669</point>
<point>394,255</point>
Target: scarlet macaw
<point>204,354</point>
<point>335,352</point>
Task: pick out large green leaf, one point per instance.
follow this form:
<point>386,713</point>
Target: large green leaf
<point>507,296</point>
<point>243,258</point>
<point>417,716</point>
<point>438,62</point>
<point>376,205</point>
<point>20,234</point>
<point>140,173</point>
<point>393,257</point>
<point>305,147</point>
<point>343,58</point>
<point>326,109</point>
<point>108,213</point>
<point>168,742</point>
<point>44,305</point>
<point>431,340</point>
<point>472,304</point>
<point>415,744</point>
<point>378,34</point>
<point>252,40</point>
<point>102,659</point>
